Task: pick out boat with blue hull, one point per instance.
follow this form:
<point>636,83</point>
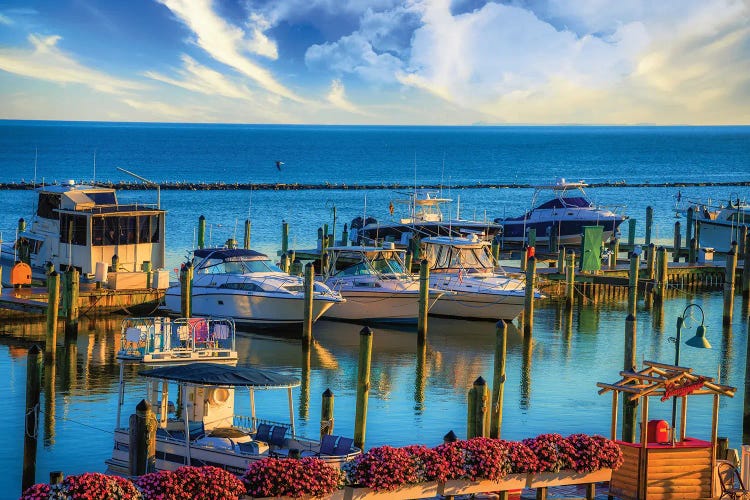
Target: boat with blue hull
<point>563,216</point>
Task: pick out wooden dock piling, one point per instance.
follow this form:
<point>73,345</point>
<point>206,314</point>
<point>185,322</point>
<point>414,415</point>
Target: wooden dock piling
<point>284,236</point>
<point>629,410</point>
<point>498,379</point>
<point>613,251</point>
<point>650,262</point>
<point>649,224</point>
<point>730,270</point>
<point>72,289</point>
<point>478,421</point>
<point>570,278</point>
<point>326,413</point>
<point>677,243</point>
<point>284,264</point>
<point>631,233</point>
<point>186,290</point>
<point>307,320</point>
<point>345,235</point>
<point>424,300</point>
<point>662,263</point>
<point>202,231</point>
<point>248,230</point>
<point>142,440</point>
<point>53,307</point>
<point>633,283</point>
<point>363,386</point>
<point>528,308</point>
<point>33,385</point>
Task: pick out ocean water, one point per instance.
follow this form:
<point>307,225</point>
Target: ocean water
<point>551,385</point>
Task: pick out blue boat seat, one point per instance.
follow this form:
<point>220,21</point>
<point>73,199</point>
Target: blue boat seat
<point>328,444</point>
<point>277,435</point>
<point>263,433</point>
<point>344,446</point>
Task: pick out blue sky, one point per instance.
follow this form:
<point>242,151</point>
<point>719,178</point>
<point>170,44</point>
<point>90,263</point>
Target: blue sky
<point>377,61</point>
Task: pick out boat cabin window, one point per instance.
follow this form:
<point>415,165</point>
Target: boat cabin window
<point>236,266</point>
<point>123,230</point>
<point>382,264</point>
<point>446,257</point>
<point>48,204</point>
<point>73,229</point>
<point>102,197</point>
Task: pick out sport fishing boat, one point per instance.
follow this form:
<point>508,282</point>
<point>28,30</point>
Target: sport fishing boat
<point>375,284</point>
<point>208,430</point>
<point>79,225</point>
<point>246,286</point>
<point>465,267</point>
<point>164,340</point>
<point>423,217</point>
<point>719,225</point>
<point>564,215</point>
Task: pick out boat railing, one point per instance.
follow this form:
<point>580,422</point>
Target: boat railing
<point>149,335</point>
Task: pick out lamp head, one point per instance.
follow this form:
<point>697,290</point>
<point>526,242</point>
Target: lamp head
<point>700,341</point>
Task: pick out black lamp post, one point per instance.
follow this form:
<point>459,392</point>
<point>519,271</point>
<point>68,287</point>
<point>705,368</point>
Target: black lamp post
<point>699,341</point>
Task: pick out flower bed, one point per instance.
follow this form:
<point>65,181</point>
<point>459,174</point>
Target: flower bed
<point>462,467</point>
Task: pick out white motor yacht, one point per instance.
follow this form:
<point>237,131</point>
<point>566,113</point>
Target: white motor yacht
<point>465,267</point>
<point>719,225</point>
<point>375,284</point>
<point>246,286</point>
<point>80,225</point>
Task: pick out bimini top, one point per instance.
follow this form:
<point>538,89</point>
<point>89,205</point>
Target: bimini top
<point>227,253</point>
<point>222,375</point>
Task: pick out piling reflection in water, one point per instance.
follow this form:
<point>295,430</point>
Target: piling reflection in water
<point>304,392</point>
<point>421,377</point>
<point>725,365</point>
<point>528,346</point>
<point>50,373</point>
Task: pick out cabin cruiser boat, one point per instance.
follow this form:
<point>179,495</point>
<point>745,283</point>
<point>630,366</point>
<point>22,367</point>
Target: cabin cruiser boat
<point>423,218</point>
<point>164,340</point>
<point>465,267</point>
<point>208,430</point>
<point>247,287</point>
<point>80,225</point>
<point>564,214</point>
<point>375,284</point>
<point>719,226</point>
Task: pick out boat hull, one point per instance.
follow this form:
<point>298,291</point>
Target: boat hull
<point>569,231</point>
<point>249,309</point>
<point>492,298</point>
<point>719,235</point>
<point>371,305</point>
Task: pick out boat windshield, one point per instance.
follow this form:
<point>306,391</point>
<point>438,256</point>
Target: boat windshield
<point>446,257</point>
<point>237,265</point>
<point>380,265</point>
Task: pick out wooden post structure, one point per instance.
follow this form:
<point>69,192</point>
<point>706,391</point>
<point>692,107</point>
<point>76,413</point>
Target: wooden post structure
<point>72,282</point>
<point>731,268</point>
<point>693,251</point>
<point>741,240</point>
<point>115,263</point>
<point>478,418</point>
<point>284,263</point>
<point>528,307</point>
<point>202,231</point>
<point>345,235</point>
<point>650,262</point>
<point>498,379</point>
<point>326,413</point>
<point>248,229</point>
<point>408,261</point>
<point>186,290</point>
<point>635,265</point>
<point>53,307</point>
<point>142,440</point>
<point>284,236</point>
<point>689,234</point>
<point>629,408</point>
<point>614,249</point>
<point>631,233</point>
<point>33,384</point>
<point>363,386</point>
<point>307,320</point>
<point>424,300</point>
<point>570,278</point>
<point>524,259</point>
<point>649,224</point>
<point>495,248</point>
<point>677,242</point>
<point>662,263</point>
<point>561,261</point>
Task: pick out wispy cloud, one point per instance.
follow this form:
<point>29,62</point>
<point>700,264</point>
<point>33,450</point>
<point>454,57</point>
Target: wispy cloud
<point>45,61</point>
<point>337,97</point>
<point>226,43</point>
<point>163,111</point>
<point>198,78</point>
<point>5,20</point>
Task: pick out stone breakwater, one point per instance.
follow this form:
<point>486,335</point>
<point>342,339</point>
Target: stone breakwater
<point>238,186</point>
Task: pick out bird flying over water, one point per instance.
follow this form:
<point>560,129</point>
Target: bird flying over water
<point>279,164</point>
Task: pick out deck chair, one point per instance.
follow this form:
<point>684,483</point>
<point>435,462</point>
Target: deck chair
<point>731,482</point>
<point>263,433</point>
<point>328,444</point>
<point>277,435</point>
<point>344,446</point>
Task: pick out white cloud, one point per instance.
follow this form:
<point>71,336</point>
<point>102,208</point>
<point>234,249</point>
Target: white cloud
<point>45,61</point>
<point>337,97</point>
<point>198,78</point>
<point>5,20</point>
<point>225,43</point>
<point>260,43</point>
<point>161,111</point>
<point>354,54</point>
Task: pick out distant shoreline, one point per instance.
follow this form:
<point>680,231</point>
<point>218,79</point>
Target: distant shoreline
<point>223,186</point>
